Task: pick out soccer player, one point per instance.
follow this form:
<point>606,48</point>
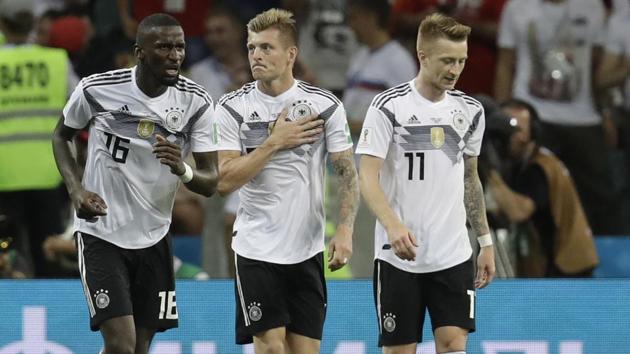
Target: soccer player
<point>142,121</point>
<point>419,176</point>
<point>273,137</point>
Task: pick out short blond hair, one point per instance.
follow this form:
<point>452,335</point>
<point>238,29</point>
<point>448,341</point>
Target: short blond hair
<point>275,18</point>
<point>436,26</point>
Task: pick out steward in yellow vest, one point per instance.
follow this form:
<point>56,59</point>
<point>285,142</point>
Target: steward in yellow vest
<point>33,91</point>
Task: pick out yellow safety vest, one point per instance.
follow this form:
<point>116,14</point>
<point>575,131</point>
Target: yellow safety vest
<point>33,91</point>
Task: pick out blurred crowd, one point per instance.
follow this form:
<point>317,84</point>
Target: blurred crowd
<point>553,76</point>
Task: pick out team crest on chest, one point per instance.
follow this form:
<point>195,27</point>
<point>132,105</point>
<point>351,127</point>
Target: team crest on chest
<point>437,137</point>
<point>300,109</point>
<point>174,118</point>
<point>146,128</point>
<point>459,120</point>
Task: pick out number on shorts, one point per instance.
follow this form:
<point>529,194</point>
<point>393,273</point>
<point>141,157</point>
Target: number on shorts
<point>471,293</point>
<point>168,306</point>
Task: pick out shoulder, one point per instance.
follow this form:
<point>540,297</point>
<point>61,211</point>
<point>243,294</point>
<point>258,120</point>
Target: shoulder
<point>318,94</point>
<point>113,77</point>
<point>236,95</point>
<point>463,99</point>
<point>391,94</point>
<point>197,92</point>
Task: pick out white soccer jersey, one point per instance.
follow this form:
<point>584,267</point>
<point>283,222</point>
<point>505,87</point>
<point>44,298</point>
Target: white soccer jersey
<point>121,167</point>
<point>423,144</point>
<point>281,215</point>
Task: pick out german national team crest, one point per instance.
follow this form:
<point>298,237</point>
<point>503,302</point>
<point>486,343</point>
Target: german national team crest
<point>300,109</point>
<point>389,322</point>
<point>459,120</point>
<point>102,299</point>
<point>437,137</point>
<point>145,128</point>
<point>174,118</point>
<point>254,312</point>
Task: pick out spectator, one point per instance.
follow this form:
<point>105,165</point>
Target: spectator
<point>327,43</point>
<point>540,190</point>
<point>30,186</point>
<point>614,74</point>
<point>379,64</point>
<point>547,48</point>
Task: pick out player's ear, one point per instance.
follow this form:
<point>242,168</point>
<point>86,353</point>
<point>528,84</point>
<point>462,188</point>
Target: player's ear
<point>137,50</point>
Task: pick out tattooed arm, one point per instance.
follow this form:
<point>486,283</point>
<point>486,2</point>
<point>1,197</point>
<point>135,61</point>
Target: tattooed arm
<point>476,214</point>
<point>340,247</point>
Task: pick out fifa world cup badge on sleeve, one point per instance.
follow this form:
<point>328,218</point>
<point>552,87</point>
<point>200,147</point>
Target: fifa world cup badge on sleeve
<point>366,137</point>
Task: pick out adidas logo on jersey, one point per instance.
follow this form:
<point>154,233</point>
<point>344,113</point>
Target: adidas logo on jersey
<point>413,120</point>
<point>124,108</point>
<point>254,116</point>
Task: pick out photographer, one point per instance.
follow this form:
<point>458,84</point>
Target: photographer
<point>533,189</point>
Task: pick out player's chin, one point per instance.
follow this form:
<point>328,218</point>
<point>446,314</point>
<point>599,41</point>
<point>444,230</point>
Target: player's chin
<point>170,80</point>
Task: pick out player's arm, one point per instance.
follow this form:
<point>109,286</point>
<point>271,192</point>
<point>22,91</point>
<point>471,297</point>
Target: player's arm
<point>202,180</point>
<point>476,214</point>
<point>236,169</point>
<point>88,205</point>
<point>340,247</point>
<point>402,241</point>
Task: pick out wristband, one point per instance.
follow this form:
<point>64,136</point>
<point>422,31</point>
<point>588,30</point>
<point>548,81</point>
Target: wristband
<point>485,240</point>
<point>188,174</point>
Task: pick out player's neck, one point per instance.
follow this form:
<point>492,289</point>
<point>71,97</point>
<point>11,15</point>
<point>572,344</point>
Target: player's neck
<point>427,90</point>
<point>147,83</point>
<point>276,86</point>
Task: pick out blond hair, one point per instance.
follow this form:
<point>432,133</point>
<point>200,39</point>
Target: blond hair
<point>436,26</point>
<point>275,18</point>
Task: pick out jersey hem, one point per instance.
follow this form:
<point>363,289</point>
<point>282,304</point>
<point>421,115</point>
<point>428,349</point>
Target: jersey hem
<point>122,246</point>
<point>276,261</point>
<point>428,270</point>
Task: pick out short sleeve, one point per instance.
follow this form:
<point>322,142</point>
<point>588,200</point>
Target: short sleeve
<point>473,144</point>
<point>337,131</point>
<point>507,36</point>
<point>77,112</point>
<point>376,134</point>
<point>225,131</point>
<point>201,135</point>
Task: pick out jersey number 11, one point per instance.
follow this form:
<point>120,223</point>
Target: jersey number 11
<point>420,156</point>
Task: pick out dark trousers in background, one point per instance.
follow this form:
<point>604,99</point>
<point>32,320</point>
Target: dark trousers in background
<point>32,216</point>
<point>585,154</point>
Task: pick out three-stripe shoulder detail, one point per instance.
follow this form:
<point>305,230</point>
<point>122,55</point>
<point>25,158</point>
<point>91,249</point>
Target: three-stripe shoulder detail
<point>469,100</point>
<point>245,89</point>
<point>382,98</point>
<point>308,88</point>
<point>186,85</point>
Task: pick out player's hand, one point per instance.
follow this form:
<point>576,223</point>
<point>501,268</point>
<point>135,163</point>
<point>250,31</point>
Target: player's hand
<point>403,242</point>
<point>286,134</point>
<point>340,248</point>
<point>485,267</point>
<point>88,205</point>
<point>169,154</point>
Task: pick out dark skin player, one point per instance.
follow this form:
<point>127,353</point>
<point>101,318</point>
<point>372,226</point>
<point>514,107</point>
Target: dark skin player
<point>160,53</point>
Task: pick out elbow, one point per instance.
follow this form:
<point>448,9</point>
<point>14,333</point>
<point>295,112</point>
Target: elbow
<point>224,188</point>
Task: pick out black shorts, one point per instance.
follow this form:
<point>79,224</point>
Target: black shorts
<point>120,282</point>
<point>402,298</point>
<point>270,295</point>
